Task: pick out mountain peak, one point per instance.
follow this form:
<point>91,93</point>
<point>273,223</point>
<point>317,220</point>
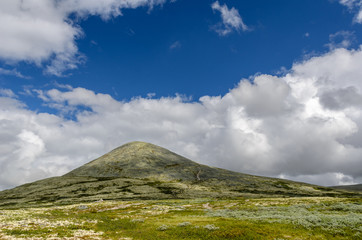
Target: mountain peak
<point>139,160</point>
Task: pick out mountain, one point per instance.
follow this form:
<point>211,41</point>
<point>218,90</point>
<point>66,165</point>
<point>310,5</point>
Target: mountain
<point>355,187</point>
<point>139,170</point>
<point>141,160</point>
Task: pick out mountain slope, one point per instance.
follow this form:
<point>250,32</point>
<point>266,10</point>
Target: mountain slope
<point>355,187</point>
<point>147,161</point>
<point>140,170</point>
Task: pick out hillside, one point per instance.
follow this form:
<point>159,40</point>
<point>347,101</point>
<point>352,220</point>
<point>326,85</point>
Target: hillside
<point>141,170</point>
<point>355,187</point>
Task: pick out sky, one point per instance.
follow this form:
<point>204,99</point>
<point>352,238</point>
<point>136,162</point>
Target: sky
<point>271,88</point>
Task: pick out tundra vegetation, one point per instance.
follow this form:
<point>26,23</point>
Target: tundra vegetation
<point>255,218</point>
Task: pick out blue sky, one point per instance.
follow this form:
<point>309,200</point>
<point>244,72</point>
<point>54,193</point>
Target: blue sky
<point>203,78</point>
<point>131,55</point>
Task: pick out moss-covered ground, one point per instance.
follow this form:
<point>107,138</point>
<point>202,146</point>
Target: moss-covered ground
<point>267,218</point>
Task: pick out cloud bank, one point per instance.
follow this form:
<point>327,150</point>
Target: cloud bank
<point>231,20</point>
<point>305,125</point>
<point>43,33</point>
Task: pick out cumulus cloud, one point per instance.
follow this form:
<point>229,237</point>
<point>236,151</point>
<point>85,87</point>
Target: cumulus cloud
<point>305,125</point>
<point>342,98</point>
<point>231,20</point>
<point>355,6</point>
<point>42,32</point>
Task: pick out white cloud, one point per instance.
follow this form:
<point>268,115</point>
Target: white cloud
<point>341,39</point>
<point>7,93</point>
<point>305,125</point>
<point>175,45</point>
<point>231,19</point>
<point>327,179</point>
<point>12,72</point>
<point>348,3</point>
<point>355,6</point>
<point>40,31</point>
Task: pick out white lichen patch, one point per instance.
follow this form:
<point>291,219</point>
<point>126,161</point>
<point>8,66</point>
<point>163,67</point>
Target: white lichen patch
<point>157,210</point>
<point>88,234</point>
<point>36,223</point>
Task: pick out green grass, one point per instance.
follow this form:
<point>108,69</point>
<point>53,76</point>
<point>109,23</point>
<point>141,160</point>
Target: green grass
<point>209,219</point>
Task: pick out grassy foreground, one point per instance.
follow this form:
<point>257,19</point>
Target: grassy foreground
<point>268,218</point>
